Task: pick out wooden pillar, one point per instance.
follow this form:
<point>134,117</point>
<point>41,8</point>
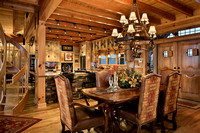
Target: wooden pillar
<point>40,65</point>
<point>88,55</point>
<point>145,56</point>
<point>155,59</point>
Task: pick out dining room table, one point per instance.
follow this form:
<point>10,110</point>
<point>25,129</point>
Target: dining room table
<point>113,99</point>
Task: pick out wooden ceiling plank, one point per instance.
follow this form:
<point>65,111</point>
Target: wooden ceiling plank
<point>79,21</point>
<point>17,6</point>
<point>79,27</point>
<point>97,32</point>
<point>116,7</point>
<point>87,9</point>
<point>147,8</point>
<point>32,2</point>
<point>69,33</point>
<point>47,8</point>
<point>72,14</point>
<point>177,6</point>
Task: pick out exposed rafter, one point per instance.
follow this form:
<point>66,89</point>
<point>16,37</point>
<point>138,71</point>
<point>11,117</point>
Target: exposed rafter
<point>17,6</point>
<point>177,6</point>
<point>77,15</point>
<point>47,8</point>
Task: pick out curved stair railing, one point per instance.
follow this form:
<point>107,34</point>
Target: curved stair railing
<point>2,67</point>
<point>17,66</point>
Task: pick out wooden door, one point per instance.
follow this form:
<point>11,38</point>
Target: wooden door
<point>189,67</point>
<point>165,62</point>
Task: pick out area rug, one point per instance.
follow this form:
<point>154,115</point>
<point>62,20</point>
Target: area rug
<point>14,124</point>
<point>188,103</point>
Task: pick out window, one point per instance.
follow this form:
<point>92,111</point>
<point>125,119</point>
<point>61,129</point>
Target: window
<point>189,31</point>
<point>121,60</point>
<point>103,60</point>
<point>171,35</point>
<point>112,59</point>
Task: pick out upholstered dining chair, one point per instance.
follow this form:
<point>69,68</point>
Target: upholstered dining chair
<point>146,111</point>
<point>102,78</point>
<point>169,101</point>
<point>164,73</point>
<point>76,116</point>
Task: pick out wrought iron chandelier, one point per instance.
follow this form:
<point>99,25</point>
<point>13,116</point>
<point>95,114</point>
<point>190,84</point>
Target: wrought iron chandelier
<point>134,30</point>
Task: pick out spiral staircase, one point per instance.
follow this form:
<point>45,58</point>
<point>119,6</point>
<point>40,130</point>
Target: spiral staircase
<point>14,61</point>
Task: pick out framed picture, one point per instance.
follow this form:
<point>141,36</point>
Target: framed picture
<point>68,57</point>
<point>67,48</point>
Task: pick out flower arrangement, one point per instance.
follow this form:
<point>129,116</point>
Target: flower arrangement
<point>130,79</point>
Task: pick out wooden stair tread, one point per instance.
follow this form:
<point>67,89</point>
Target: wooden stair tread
<point>14,87</point>
<point>8,79</point>
<point>13,95</point>
<point>10,72</point>
<point>8,104</point>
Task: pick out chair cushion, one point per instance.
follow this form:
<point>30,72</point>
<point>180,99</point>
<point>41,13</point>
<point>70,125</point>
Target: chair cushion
<point>87,118</point>
<point>129,114</point>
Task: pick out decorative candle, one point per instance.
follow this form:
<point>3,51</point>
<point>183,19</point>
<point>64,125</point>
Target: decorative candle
<point>115,67</point>
<point>111,71</point>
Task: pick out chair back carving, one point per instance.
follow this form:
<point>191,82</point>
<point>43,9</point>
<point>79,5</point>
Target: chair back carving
<point>102,78</point>
<point>65,99</point>
<point>147,109</point>
<point>164,73</point>
<point>171,93</point>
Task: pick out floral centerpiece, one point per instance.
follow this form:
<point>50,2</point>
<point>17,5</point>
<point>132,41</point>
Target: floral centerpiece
<point>129,79</point>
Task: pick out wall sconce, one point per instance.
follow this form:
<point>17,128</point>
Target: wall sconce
<point>192,52</point>
<point>167,53</point>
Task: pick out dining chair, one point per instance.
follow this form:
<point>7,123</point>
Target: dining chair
<point>76,116</point>
<point>102,78</point>
<point>169,101</point>
<point>146,112</point>
<point>164,73</point>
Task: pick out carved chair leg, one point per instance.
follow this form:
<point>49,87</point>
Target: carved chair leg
<point>174,120</point>
<point>162,124</point>
<point>63,127</point>
<point>153,126</point>
<point>139,129</point>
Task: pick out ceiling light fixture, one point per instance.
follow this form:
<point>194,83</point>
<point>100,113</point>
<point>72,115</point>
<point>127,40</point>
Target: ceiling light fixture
<point>134,29</point>
<point>105,30</point>
<point>71,37</point>
<point>79,33</point>
<point>90,28</point>
<point>75,25</point>
<point>58,23</point>
<point>50,29</point>
<point>57,36</point>
<point>65,32</point>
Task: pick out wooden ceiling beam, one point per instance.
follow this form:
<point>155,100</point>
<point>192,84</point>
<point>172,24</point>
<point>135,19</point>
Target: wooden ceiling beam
<point>79,21</point>
<point>17,6</point>
<point>68,42</point>
<point>81,7</point>
<point>47,8</point>
<point>70,33</point>
<point>32,2</point>
<point>79,27</point>
<point>147,8</point>
<point>76,15</point>
<point>65,37</point>
<point>177,6</point>
<point>179,25</point>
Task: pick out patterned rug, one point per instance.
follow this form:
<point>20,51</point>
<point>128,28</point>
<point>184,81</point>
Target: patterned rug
<point>14,124</point>
<point>188,103</point>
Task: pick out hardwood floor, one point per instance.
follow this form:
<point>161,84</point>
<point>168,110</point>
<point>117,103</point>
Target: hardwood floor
<point>188,120</point>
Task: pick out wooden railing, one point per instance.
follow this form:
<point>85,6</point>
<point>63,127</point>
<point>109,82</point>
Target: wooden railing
<point>15,57</point>
<point>3,66</point>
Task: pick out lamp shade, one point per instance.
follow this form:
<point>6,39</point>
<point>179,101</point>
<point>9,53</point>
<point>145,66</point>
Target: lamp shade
<point>115,33</point>
<point>120,35</point>
<point>122,19</point>
<point>152,30</point>
<point>130,29</point>
<point>144,17</point>
<point>132,16</point>
<point>126,22</point>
